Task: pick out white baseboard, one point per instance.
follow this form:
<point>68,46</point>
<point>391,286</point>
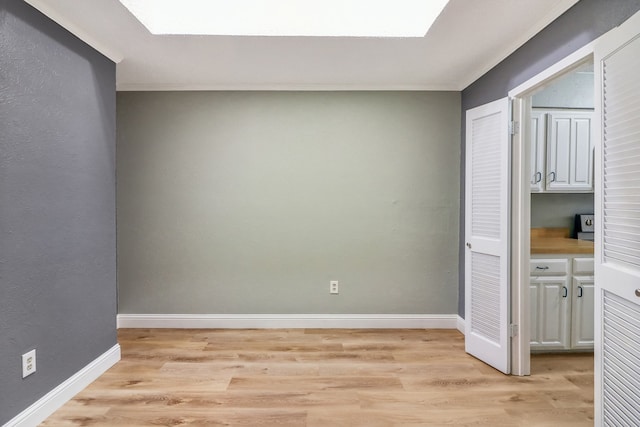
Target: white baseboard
<point>60,395</point>
<point>460,324</point>
<point>289,321</point>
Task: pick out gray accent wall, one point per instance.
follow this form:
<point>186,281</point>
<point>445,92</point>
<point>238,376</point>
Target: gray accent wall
<point>559,209</point>
<point>251,202</point>
<point>583,23</point>
<point>57,205</point>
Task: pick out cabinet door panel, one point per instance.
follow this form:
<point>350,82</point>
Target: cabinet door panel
<point>582,312</point>
<point>553,312</point>
<point>559,150</point>
<point>581,145</point>
<point>569,152</point>
<point>534,307</point>
<point>538,150</point>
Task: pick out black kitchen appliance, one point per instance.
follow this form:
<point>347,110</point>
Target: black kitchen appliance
<point>584,226</point>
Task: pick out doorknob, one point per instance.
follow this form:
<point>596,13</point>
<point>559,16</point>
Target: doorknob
<point>469,246</point>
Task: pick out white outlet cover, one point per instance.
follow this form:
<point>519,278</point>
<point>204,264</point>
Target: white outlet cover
<point>28,363</point>
<point>333,287</point>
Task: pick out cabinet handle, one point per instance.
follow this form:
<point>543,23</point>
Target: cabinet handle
<point>565,292</point>
<point>538,177</point>
<point>553,176</point>
<point>638,292</point>
<point>546,267</point>
<point>579,291</point>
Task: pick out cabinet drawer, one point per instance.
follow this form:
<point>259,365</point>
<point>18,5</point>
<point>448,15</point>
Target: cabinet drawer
<point>549,267</point>
<point>583,266</point>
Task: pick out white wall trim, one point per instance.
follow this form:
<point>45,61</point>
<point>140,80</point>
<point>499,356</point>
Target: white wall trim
<point>564,65</point>
<point>50,12</point>
<point>460,325</point>
<point>520,239</point>
<point>289,321</point>
<point>60,395</point>
<point>283,87</point>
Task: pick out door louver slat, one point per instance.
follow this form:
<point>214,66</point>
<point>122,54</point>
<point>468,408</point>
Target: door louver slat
<point>621,214</point>
<point>625,144</point>
<point>621,160</point>
<point>621,364</point>
<point>621,221</point>
<point>485,270</point>
<point>486,178</point>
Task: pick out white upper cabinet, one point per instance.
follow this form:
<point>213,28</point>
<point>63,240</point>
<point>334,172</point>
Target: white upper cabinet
<point>569,152</point>
<point>538,151</point>
<point>561,151</point>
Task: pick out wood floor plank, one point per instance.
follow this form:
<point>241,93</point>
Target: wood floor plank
<point>417,401</point>
<point>245,368</point>
<point>316,383</point>
<point>432,417</point>
<point>319,377</point>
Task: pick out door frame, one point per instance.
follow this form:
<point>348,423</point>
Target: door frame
<point>521,203</point>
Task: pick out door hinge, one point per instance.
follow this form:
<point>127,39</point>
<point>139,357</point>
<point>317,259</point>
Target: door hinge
<point>513,331</point>
<point>514,127</point>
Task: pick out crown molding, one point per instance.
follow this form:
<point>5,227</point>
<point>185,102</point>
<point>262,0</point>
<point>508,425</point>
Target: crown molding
<point>49,11</point>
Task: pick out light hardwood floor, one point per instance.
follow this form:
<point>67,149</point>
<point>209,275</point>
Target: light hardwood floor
<point>302,377</point>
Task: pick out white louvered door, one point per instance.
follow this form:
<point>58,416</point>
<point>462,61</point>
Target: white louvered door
<point>617,257</point>
<point>487,234</point>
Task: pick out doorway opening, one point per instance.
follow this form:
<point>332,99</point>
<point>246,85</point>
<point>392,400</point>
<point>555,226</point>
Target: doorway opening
<point>561,148</point>
<point>552,182</point>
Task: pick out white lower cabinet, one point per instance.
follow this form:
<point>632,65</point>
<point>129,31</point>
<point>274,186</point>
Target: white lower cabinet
<point>561,303</point>
<point>549,306</point>
<point>582,312</point>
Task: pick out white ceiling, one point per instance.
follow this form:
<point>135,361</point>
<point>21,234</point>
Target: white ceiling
<point>468,39</point>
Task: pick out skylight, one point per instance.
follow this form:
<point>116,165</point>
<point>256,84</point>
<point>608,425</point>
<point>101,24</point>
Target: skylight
<point>323,18</point>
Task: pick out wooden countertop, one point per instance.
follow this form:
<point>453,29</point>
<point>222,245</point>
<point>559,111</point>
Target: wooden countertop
<point>557,241</point>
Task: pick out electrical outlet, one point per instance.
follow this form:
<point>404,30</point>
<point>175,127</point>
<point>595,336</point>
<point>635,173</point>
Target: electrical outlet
<point>28,363</point>
<point>333,287</point>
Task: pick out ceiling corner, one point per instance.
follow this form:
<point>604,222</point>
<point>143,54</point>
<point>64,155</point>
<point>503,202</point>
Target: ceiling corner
<point>527,34</point>
<point>99,45</point>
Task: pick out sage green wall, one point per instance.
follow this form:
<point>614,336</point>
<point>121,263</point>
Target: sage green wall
<point>250,202</point>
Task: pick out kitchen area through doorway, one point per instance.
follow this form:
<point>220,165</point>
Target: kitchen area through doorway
<point>562,222</point>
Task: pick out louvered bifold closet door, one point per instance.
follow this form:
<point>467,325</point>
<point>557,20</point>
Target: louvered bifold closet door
<point>617,260</point>
<point>486,234</point>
